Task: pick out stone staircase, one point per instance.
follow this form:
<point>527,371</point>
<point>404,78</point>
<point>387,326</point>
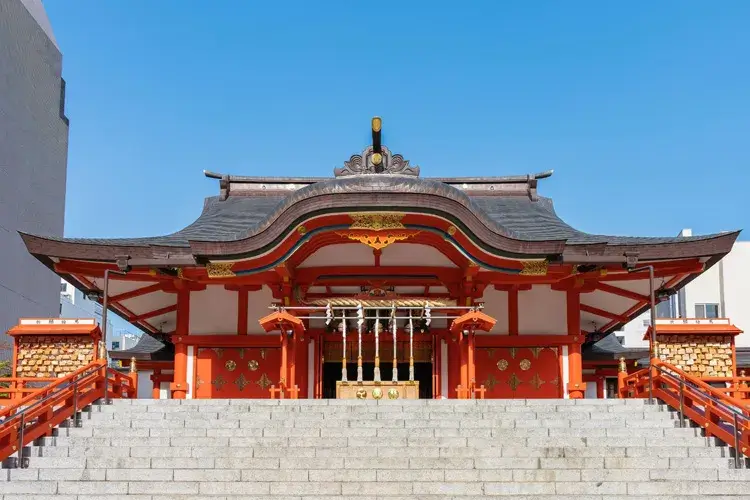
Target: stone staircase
<point>294,449</point>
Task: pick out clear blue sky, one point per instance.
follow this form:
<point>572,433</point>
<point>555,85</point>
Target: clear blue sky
<point>641,108</point>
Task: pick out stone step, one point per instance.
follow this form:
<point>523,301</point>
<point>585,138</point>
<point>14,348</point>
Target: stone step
<point>247,485</point>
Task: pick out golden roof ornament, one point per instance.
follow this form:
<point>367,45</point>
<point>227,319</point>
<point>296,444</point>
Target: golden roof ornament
<point>376,158</point>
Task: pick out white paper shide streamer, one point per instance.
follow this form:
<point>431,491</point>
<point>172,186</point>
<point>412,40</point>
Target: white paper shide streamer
<point>376,375</point>
<point>343,336</point>
<point>395,359</point>
<point>360,324</point>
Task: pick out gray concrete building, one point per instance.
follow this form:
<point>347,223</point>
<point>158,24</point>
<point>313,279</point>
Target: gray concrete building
<point>33,159</point>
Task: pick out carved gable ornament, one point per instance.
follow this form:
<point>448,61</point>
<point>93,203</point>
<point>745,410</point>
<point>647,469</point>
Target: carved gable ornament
<point>376,158</point>
<point>387,163</point>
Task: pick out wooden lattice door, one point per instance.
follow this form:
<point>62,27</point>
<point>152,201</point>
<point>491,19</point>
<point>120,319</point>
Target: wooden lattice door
<point>519,372</point>
<point>236,372</point>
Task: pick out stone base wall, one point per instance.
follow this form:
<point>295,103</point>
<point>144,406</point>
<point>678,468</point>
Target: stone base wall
<point>52,356</point>
<point>702,356</point>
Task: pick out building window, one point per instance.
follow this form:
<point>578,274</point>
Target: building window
<point>706,310</point>
<point>115,345</point>
<point>63,287</point>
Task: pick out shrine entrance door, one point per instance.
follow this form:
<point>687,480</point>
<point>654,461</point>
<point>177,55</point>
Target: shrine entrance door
<point>236,372</point>
<point>519,372</point>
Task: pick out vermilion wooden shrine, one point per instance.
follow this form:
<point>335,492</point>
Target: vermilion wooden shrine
<point>319,287</point>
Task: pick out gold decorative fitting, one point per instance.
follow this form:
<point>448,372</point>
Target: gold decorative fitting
<point>377,393</point>
<point>377,241</point>
<point>536,381</point>
<point>377,123</point>
<point>535,351</point>
<point>219,351</point>
<point>230,365</point>
<point>502,365</point>
<point>264,382</point>
<point>152,272</point>
<point>361,393</point>
<point>513,351</point>
<point>525,364</point>
<point>534,267</point>
<point>220,270</point>
<point>301,229</point>
<point>376,158</point>
<point>252,365</point>
<point>393,393</point>
<point>376,221</point>
<point>180,273</point>
<point>452,230</point>
<point>133,368</point>
<point>241,382</point>
<point>514,382</point>
<point>218,382</point>
<point>491,382</point>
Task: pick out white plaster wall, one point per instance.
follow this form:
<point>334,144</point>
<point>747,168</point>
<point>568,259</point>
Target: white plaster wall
<point>542,311</point>
<point>145,385</point>
<point>737,289</point>
<point>496,305</point>
<point>412,254</point>
<point>213,311</point>
<point>703,290</point>
<point>349,254</point>
<point>257,307</point>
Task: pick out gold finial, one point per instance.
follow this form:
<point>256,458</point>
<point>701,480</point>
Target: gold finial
<point>623,366</point>
<point>133,368</point>
<point>377,123</point>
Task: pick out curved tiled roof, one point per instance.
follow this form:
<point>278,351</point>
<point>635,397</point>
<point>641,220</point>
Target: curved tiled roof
<point>517,217</point>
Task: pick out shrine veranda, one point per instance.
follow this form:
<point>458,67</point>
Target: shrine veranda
<point>380,283</point>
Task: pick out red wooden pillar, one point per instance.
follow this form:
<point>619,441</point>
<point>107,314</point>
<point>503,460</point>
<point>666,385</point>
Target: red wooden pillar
<point>242,295</point>
<point>156,384</point>
<point>470,359</point>
<point>576,386</point>
<point>600,383</point>
<point>463,346</point>
<point>283,368</point>
<point>513,311</point>
<point>180,385</point>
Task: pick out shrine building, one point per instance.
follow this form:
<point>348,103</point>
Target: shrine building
<point>375,283</point>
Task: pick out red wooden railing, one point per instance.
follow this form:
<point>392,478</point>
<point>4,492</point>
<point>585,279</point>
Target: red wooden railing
<point>717,413</point>
<point>36,414</point>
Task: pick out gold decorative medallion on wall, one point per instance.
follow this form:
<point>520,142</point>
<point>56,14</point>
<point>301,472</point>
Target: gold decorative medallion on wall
<point>361,394</point>
<point>451,230</point>
<point>230,365</point>
<point>241,382</point>
<point>490,382</point>
<point>502,365</point>
<point>536,381</point>
<point>264,382</point>
<point>534,267</point>
<point>220,270</point>
<point>302,230</point>
<point>393,393</point>
<point>525,364</point>
<point>252,365</point>
<point>377,393</point>
<point>218,382</point>
<point>514,382</point>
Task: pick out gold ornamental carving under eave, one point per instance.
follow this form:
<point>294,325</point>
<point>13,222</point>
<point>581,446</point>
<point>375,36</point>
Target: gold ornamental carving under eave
<point>220,270</point>
<point>377,221</point>
<point>534,268</point>
<point>377,230</point>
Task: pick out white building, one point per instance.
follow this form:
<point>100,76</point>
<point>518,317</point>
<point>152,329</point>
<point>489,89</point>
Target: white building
<point>721,292</point>
<point>75,304</point>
